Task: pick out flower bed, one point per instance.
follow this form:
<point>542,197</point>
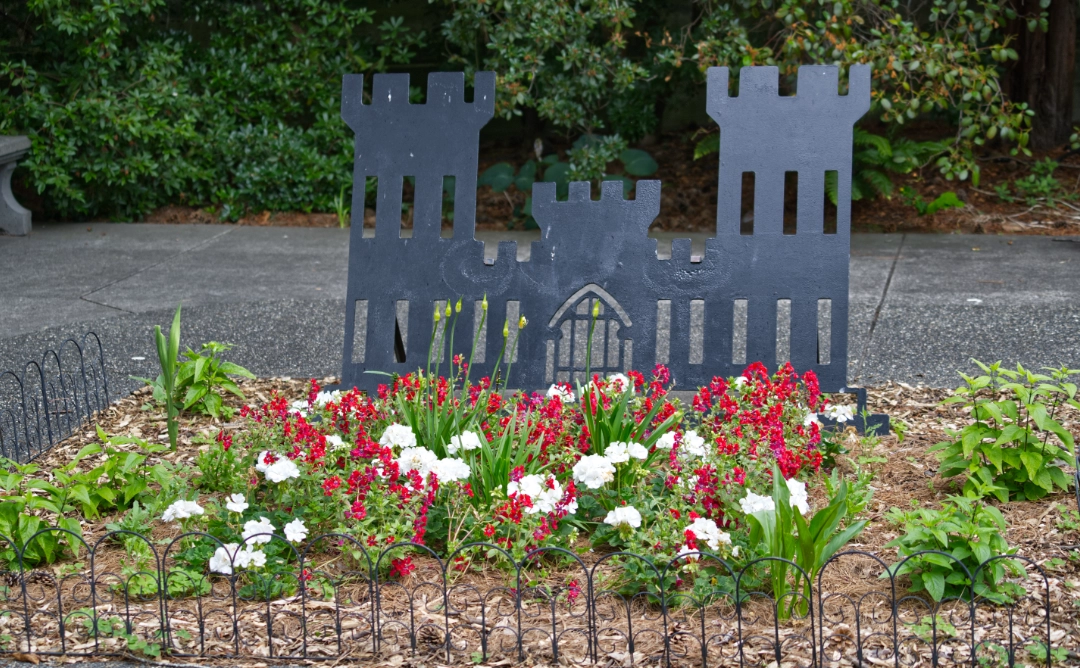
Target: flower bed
<point>616,521</point>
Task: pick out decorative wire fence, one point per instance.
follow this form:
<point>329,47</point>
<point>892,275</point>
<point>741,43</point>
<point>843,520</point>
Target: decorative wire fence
<point>48,400</point>
<point>334,600</point>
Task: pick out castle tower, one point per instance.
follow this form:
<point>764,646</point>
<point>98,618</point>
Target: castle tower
<point>769,135</point>
<point>394,140</point>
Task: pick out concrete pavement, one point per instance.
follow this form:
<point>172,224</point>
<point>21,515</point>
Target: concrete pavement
<point>921,305</point>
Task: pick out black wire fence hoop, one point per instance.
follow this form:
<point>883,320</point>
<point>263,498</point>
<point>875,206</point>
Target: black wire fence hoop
<point>329,599</point>
<point>51,399</point>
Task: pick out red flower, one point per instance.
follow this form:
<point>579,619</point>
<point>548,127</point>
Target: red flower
<point>402,567</point>
<point>330,484</point>
<point>489,530</point>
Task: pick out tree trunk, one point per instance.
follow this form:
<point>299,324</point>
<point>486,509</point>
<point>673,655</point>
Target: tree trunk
<point>1043,75</point>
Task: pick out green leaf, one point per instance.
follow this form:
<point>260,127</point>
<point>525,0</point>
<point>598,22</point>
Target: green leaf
<point>499,176</point>
<point>1032,462</point>
<point>935,584</point>
<point>638,163</point>
<point>707,146</point>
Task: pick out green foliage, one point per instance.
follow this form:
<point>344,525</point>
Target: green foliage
<point>1038,186</point>
<point>116,627</point>
<point>220,467</point>
<point>132,104</point>
<point>969,533</point>
<point>946,200</point>
<point>1007,451</point>
<point>165,385</point>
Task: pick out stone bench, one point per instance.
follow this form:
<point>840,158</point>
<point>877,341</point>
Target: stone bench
<point>14,219</point>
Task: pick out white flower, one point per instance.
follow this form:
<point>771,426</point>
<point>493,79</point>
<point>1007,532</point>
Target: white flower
<point>236,503</point>
<point>797,495</point>
<point>259,531</point>
<point>281,470</point>
<point>624,516</point>
<point>740,381</point>
<point>250,558</point>
<point>841,414</point>
<point>324,397</point>
<point>531,486</point>
<point>617,452</point>
<point>335,441</point>
<point>735,551</point>
<point>420,460</point>
<point>594,471</point>
<point>451,469</point>
<point>754,503</point>
<point>299,406</point>
<point>468,440</point>
<point>563,392</point>
<point>693,445</point>
<point>222,561</point>
<point>637,451</point>
<point>181,510</point>
<point>295,531</point>
<point>706,530</point>
<point>811,418</point>
<point>260,462</point>
<point>620,383</point>
<point>398,435</point>
<point>666,442</point>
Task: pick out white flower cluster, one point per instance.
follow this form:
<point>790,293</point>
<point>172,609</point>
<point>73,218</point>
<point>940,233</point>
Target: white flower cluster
<point>594,471</point>
<point>797,496</point>
<point>321,399</point>
<point>692,445</point>
<point>281,470</point>
<point>468,440</point>
<point>621,383</point>
<point>706,530</point>
<point>255,533</point>
<point>230,555</point>
<point>619,452</point>
<point>563,392</point>
<point>545,495</point>
<point>627,516</point>
<point>181,510</point>
<point>839,413</point>
<point>424,461</point>
<point>398,435</point>
<point>236,503</point>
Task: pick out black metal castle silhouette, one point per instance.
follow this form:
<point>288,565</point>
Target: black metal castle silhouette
<point>685,312</point>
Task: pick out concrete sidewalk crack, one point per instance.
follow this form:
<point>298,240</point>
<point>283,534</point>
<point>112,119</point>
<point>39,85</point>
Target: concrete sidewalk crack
<point>85,297</point>
<point>877,312</point>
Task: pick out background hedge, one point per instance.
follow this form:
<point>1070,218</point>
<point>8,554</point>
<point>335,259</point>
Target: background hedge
<point>134,104</point>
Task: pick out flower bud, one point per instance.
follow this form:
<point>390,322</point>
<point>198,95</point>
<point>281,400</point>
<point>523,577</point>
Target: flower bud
<point>483,304</point>
<point>506,328</point>
<point>596,309</point>
<point>522,322</point>
<point>457,307</point>
<point>448,307</point>
<point>438,316</point>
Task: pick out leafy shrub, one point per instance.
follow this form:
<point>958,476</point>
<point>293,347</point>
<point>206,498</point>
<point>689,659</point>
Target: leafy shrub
<point>1038,186</point>
<point>946,200</point>
<point>968,532</point>
<point>1007,451</point>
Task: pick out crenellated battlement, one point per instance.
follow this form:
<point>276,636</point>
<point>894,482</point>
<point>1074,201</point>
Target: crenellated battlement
<point>445,104</point>
<point>816,93</point>
<point>579,205</point>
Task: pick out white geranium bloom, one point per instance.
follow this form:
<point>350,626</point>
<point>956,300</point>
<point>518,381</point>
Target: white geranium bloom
<point>181,510</point>
<point>295,531</point>
<point>398,435</point>
<point>666,442</point>
<point>797,495</point>
<point>546,501</point>
<point>468,440</point>
<point>236,503</point>
<point>564,394</point>
<point>735,551</point>
<point>260,462</point>
<point>258,531</point>
<point>621,383</point>
<point>281,470</point>
<point>335,441</point>
<point>250,558</point>
<point>594,471</point>
<point>810,419</point>
<point>617,452</point>
<point>693,445</point>
<point>637,451</point>
<point>324,397</point>
<point>741,381</point>
<point>420,460</point>
<point>754,503</point>
<point>222,561</point>
<point>299,406</point>
<point>451,469</point>
<point>841,414</point>
<point>705,530</point>
<point>531,486</point>
<point>624,515</point>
